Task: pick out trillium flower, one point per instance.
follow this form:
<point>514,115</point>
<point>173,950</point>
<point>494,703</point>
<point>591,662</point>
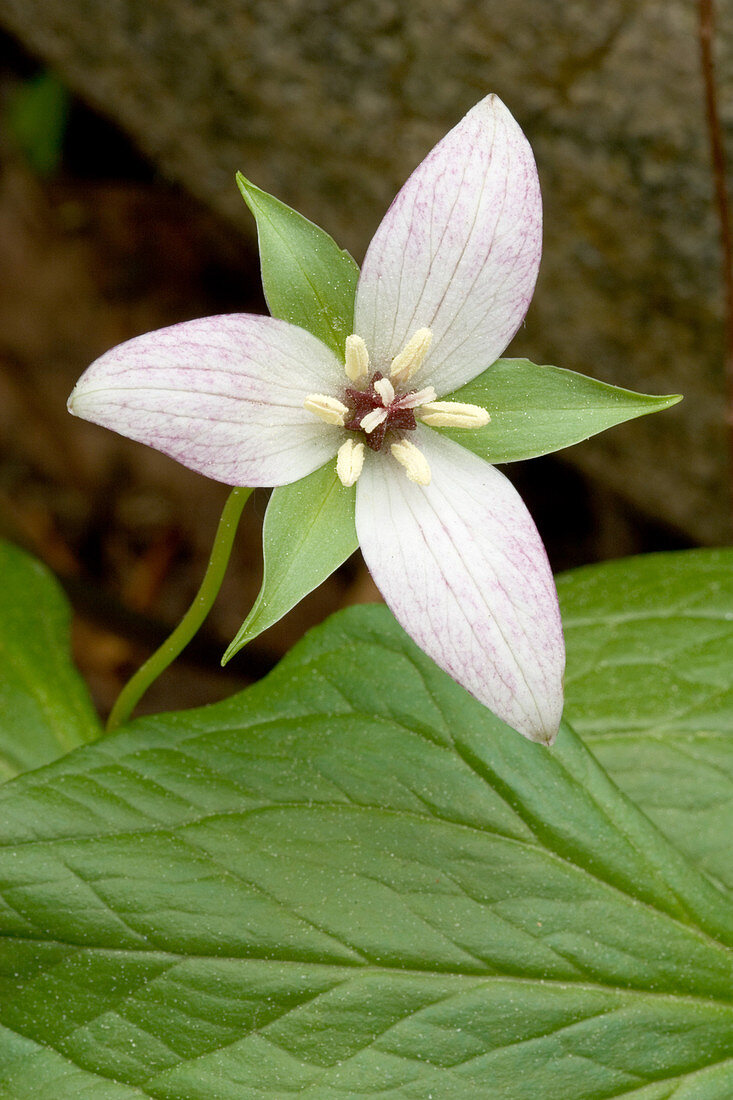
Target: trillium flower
<point>251,400</point>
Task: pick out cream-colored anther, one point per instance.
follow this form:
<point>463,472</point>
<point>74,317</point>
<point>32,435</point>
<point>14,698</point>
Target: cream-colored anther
<point>414,461</point>
<point>385,389</point>
<point>453,414</point>
<point>372,420</point>
<point>357,359</point>
<point>410,359</point>
<point>349,461</point>
<point>329,409</point>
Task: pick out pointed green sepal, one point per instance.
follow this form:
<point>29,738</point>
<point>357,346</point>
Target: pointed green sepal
<point>309,532</point>
<point>308,280</point>
<point>535,410</point>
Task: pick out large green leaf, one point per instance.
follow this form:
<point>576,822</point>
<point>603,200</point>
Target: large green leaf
<point>308,280</point>
<point>535,410</point>
<point>44,706</point>
<point>308,533</point>
<point>351,881</point>
<point>650,686</point>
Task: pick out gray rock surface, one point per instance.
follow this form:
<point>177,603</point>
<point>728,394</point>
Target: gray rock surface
<point>330,104</point>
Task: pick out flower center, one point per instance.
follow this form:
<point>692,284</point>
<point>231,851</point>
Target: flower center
<point>375,411</point>
<point>374,408</point>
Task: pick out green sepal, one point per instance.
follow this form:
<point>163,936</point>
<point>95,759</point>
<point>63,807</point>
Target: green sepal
<point>308,533</point>
<point>308,280</point>
<point>535,410</point>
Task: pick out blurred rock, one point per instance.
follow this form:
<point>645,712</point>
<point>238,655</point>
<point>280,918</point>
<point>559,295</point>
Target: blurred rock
<point>331,104</point>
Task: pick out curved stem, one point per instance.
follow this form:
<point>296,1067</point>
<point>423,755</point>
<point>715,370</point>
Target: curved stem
<point>135,688</point>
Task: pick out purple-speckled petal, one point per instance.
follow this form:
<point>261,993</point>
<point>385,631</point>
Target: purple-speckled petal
<point>457,252</point>
<point>223,395</point>
<point>463,569</point>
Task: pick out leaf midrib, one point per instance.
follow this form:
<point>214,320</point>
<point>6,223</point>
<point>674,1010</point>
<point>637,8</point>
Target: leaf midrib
<point>691,929</point>
<point>355,969</point>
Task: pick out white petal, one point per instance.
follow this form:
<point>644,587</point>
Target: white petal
<point>463,569</point>
<point>223,395</point>
<point>457,252</point>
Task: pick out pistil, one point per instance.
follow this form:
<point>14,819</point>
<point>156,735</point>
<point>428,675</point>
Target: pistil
<point>370,414</point>
<point>372,420</point>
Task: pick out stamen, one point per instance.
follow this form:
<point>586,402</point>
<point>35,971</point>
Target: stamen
<point>385,389</point>
<point>357,358</point>
<point>414,461</point>
<point>453,414</point>
<point>349,461</point>
<point>415,399</point>
<point>372,420</point>
<point>329,409</point>
<point>410,359</point>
